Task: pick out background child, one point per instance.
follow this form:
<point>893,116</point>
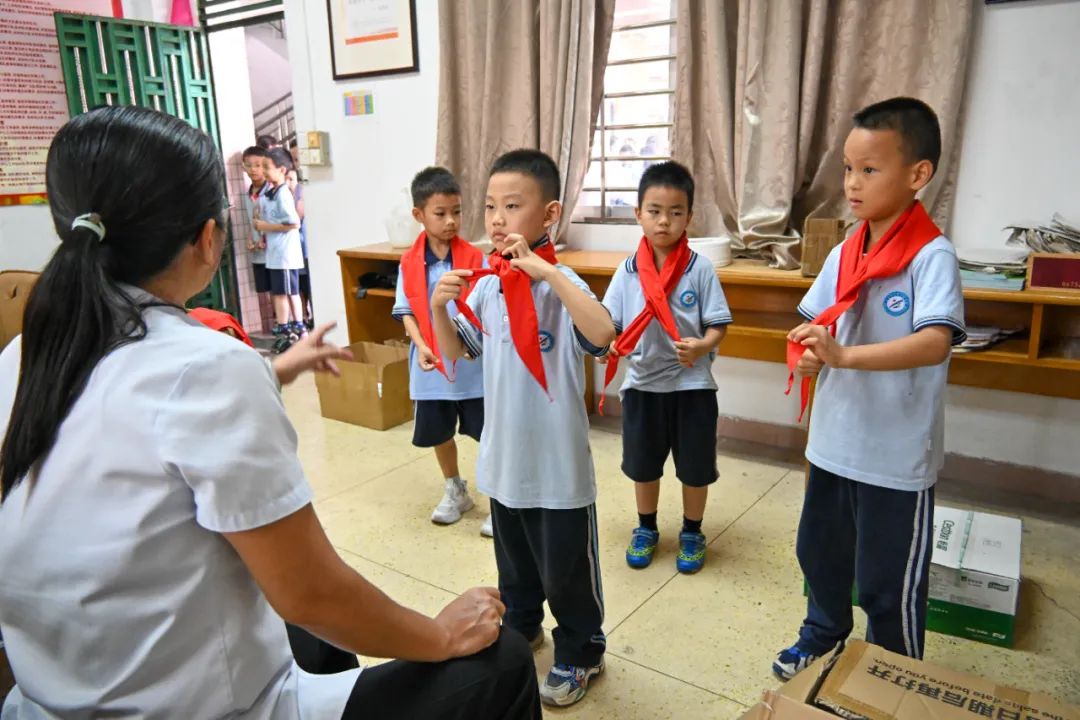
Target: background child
<point>255,167</point>
<point>279,221</point>
<point>292,179</point>
<point>669,394</point>
<point>877,432</point>
<point>539,321</point>
<point>442,407</point>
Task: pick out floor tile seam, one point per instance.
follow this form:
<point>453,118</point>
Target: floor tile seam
<point>360,483</point>
<point>396,571</point>
<point>677,678</point>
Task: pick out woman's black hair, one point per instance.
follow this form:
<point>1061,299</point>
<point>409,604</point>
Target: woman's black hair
<point>152,181</point>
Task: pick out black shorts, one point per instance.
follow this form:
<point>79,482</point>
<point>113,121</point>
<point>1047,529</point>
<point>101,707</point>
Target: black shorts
<point>436,420</point>
<point>262,278</point>
<point>305,280</point>
<point>284,282</point>
<point>682,423</point>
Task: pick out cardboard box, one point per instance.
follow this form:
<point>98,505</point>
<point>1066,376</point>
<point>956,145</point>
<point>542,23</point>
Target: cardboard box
<point>975,575</point>
<point>820,236</point>
<point>775,706</point>
<point>373,389</point>
<point>870,683</point>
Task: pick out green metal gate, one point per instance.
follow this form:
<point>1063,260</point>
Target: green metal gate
<point>108,61</point>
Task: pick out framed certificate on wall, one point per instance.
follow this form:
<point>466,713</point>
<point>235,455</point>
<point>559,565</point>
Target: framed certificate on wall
<point>369,38</point>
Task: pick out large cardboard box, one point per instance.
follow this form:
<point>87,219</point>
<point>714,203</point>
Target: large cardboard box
<point>866,682</point>
<point>870,683</point>
<point>373,389</point>
<point>975,575</point>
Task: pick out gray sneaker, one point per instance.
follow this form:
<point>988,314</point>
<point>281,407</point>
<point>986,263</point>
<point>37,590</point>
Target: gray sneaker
<point>567,684</point>
<point>455,501</point>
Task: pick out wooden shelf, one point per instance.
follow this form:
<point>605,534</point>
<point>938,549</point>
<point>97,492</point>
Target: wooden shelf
<point>763,304</point>
<point>376,292</point>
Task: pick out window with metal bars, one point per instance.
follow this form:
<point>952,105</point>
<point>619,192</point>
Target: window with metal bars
<point>635,119</point>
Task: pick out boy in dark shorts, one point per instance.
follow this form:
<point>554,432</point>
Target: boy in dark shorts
<point>671,315</point>
<point>443,407</point>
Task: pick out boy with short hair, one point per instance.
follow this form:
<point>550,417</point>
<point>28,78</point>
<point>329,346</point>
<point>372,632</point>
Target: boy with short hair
<point>539,320</point>
<point>255,168</point>
<point>447,398</point>
<point>292,179</point>
<point>892,291</point>
<point>671,314</point>
<point>280,222</point>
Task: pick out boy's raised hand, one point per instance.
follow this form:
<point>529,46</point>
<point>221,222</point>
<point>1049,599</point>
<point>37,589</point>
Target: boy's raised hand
<point>426,358</point>
<point>819,341</point>
<point>450,287</point>
<point>523,258</point>
<point>809,364</point>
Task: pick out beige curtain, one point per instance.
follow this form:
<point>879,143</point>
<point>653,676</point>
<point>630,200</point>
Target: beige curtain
<point>765,95</point>
<point>516,74</point>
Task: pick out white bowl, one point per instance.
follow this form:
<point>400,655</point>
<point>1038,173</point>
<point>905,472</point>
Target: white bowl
<point>716,249</point>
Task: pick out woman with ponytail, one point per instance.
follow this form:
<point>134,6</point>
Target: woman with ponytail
<point>156,526</point>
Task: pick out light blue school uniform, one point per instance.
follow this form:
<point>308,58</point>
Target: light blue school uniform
<point>468,376</point>
<point>886,428</point>
<point>258,255</point>
<point>534,452</point>
<point>697,304</point>
<point>283,250</point>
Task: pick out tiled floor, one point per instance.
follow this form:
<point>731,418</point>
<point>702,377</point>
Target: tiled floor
<point>690,647</point>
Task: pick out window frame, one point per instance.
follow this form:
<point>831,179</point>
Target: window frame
<point>601,215</point>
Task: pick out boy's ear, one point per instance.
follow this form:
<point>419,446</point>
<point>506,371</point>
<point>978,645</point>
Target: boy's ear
<point>921,174</point>
<point>552,213</point>
<point>637,213</point>
<point>418,215</point>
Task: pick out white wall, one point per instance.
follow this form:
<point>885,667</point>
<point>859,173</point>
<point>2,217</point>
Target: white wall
<point>1021,143</point>
<point>374,156</point>
<point>267,64</point>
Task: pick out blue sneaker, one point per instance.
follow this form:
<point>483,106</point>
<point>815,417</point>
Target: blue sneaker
<point>791,661</point>
<point>566,684</point>
<point>642,546</point>
<point>691,553</point>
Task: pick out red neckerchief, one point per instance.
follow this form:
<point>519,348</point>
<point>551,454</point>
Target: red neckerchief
<point>220,321</point>
<point>517,290</point>
<point>463,256</point>
<point>890,255</point>
<point>656,287</point>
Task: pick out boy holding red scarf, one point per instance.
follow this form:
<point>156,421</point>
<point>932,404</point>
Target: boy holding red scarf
<point>447,399</point>
<point>534,321</point>
<point>883,315</point>
<point>671,315</point>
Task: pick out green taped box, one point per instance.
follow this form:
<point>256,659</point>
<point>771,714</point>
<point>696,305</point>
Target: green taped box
<point>974,576</point>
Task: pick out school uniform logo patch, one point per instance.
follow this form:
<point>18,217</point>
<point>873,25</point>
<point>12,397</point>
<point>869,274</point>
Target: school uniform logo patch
<point>547,341</point>
<point>897,303</point>
<point>688,299</point>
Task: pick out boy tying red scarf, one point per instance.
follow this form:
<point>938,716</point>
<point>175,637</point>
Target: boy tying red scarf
<point>881,317</point>
<point>673,314</point>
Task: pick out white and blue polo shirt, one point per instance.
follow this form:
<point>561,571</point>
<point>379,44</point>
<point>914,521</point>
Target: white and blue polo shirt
<point>886,428</point>
<point>283,249</point>
<point>468,376</point>
<point>534,452</point>
<point>697,304</point>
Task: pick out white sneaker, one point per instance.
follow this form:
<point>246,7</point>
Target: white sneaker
<point>455,501</point>
<point>485,529</point>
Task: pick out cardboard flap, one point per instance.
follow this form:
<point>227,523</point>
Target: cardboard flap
<point>993,545</point>
<point>872,683</point>
<point>950,530</point>
<point>774,706</point>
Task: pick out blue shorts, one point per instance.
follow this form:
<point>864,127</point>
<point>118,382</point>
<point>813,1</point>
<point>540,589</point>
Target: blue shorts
<point>262,279</point>
<point>284,282</point>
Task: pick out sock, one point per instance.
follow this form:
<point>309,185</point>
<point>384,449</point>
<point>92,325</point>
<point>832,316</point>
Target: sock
<point>689,525</point>
<point>647,520</point>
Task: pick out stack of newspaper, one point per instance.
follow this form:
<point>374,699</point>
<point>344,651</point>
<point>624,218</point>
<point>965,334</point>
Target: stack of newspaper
<point>993,268</point>
<point>981,337</point>
<point>1060,236</point>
